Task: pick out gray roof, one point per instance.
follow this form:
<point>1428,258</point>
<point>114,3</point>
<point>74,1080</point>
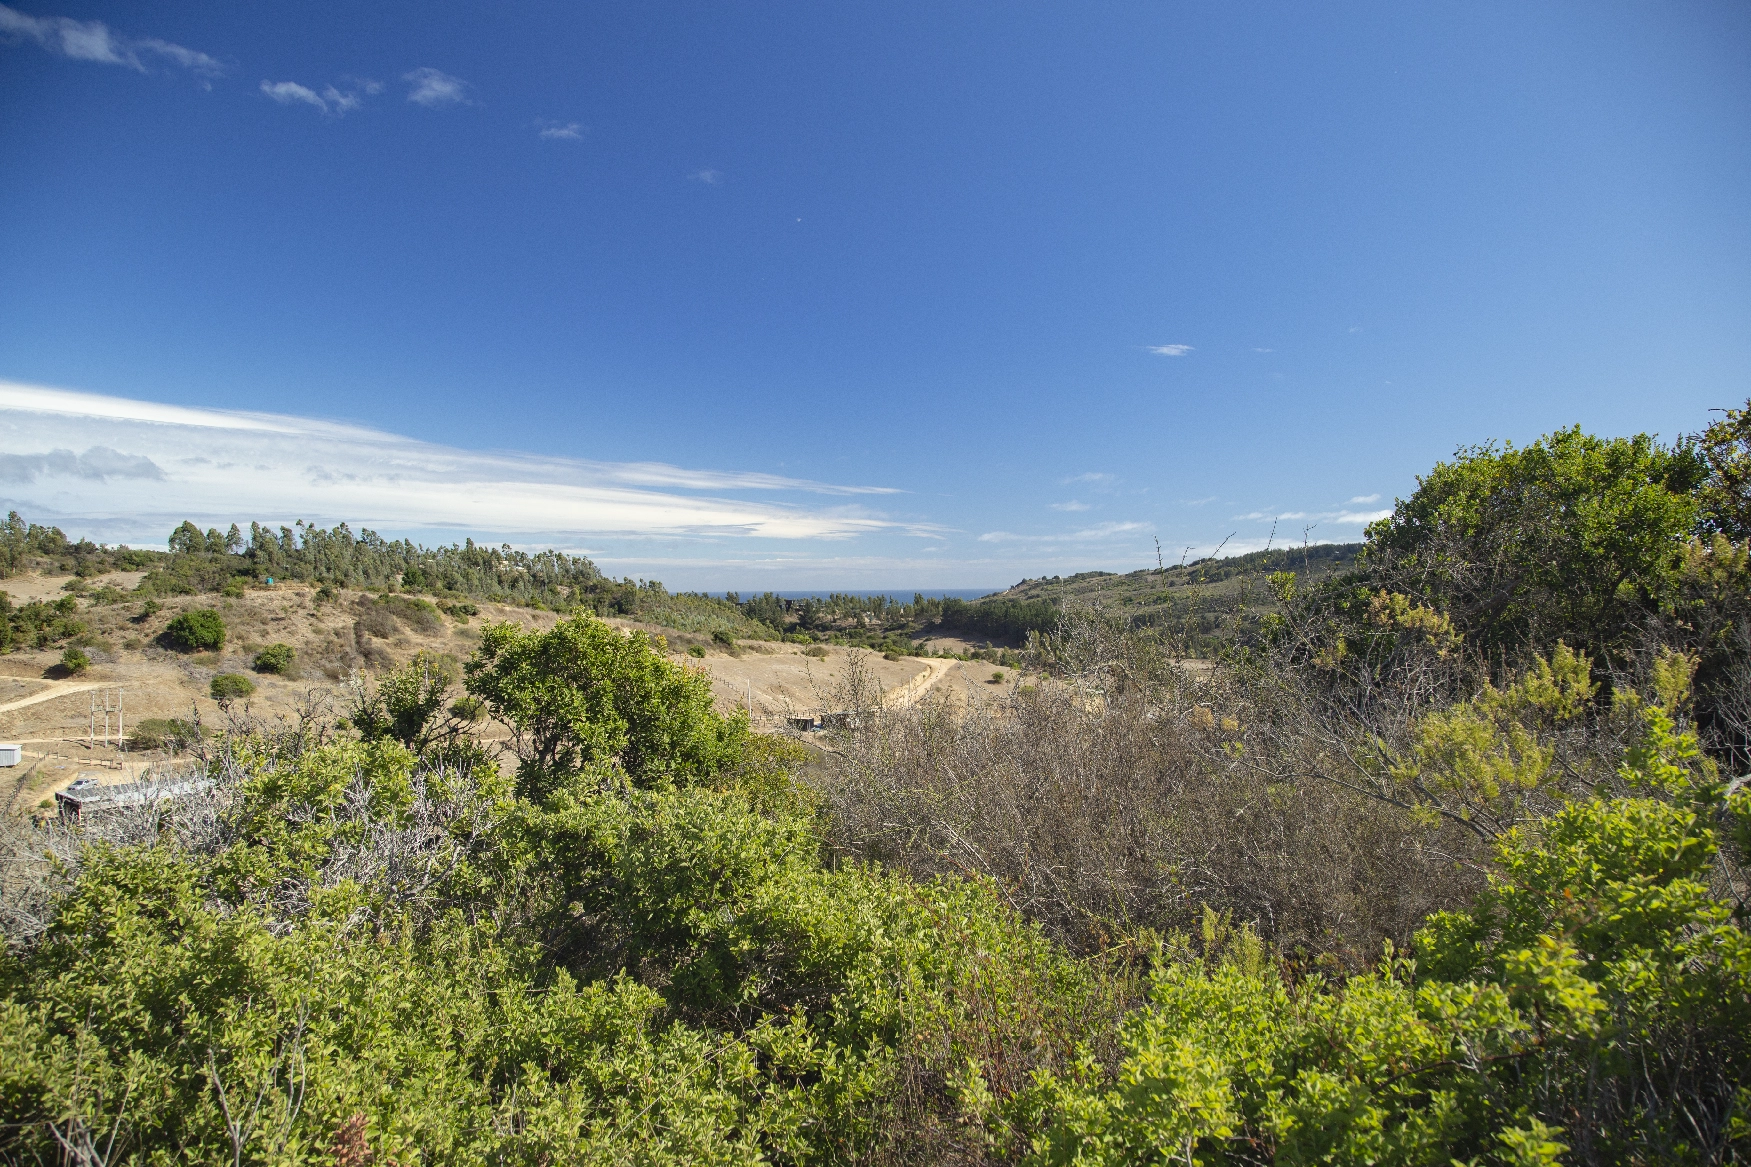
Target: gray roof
<point>86,794</point>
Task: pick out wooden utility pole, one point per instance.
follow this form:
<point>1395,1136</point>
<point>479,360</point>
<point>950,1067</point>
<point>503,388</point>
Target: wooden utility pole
<point>107,702</point>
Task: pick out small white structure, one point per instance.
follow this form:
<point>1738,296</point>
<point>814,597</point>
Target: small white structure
<point>11,753</point>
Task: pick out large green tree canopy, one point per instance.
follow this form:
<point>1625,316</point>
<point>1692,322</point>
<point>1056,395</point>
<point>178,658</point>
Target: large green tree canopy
<point>1573,538</point>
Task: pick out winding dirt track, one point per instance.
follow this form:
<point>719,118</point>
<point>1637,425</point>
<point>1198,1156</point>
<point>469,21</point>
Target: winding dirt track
<point>56,689</point>
<point>911,691</point>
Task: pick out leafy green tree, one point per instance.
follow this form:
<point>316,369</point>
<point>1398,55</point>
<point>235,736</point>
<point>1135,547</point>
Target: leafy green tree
<point>74,661</point>
<point>1573,538</point>
<point>199,630</point>
<point>584,693</point>
<point>1725,447</point>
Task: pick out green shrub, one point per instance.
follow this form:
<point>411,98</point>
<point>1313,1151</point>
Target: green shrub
<point>199,630</point>
<point>233,589</point>
<point>422,615</point>
<point>74,662</point>
<point>407,705</point>
<point>162,733</point>
<point>697,650</point>
<point>230,687</point>
<point>275,658</point>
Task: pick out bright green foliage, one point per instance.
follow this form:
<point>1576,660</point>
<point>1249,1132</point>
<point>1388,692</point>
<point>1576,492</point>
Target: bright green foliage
<point>260,999</point>
<point>1573,537</point>
<point>583,694</point>
<point>1486,759</point>
<point>230,687</point>
<point>275,658</point>
<point>1600,982</point>
<point>197,630</point>
<point>74,661</point>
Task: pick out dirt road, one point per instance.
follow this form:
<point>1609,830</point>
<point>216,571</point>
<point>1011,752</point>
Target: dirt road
<point>56,689</point>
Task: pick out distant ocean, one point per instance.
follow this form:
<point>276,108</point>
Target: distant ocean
<point>903,594</point>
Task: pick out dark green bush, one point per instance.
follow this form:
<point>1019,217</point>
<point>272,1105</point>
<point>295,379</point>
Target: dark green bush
<point>275,658</point>
<point>74,662</point>
<point>230,687</point>
<point>199,630</point>
<point>162,733</point>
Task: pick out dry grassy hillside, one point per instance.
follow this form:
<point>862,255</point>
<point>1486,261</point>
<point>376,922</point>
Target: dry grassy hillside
<point>335,635</point>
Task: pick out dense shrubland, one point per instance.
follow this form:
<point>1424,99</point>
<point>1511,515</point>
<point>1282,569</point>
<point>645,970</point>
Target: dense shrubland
<point>1427,871</point>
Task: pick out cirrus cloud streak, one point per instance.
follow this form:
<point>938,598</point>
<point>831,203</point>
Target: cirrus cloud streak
<point>216,465</point>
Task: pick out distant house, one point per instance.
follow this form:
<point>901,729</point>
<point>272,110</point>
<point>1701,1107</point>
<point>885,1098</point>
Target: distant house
<point>87,795</point>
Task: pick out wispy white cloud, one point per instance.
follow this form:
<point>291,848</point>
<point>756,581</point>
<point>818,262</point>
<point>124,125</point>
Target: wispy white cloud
<point>222,465</point>
<point>1365,498</point>
<point>1264,350</point>
<point>1345,517</point>
<point>290,93</point>
<point>709,177</point>
<point>565,131</point>
<point>1169,350</point>
<point>433,88</point>
<point>1091,476</point>
<point>331,100</point>
<point>1072,505</point>
<point>1104,531</point>
<point>93,40</point>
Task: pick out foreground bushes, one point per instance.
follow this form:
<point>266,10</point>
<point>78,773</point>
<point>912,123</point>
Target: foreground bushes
<point>355,945</point>
<point>359,947</point>
<point>1595,999</point>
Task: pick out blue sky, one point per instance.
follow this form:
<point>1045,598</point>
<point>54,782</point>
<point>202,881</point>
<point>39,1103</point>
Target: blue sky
<point>742,296</point>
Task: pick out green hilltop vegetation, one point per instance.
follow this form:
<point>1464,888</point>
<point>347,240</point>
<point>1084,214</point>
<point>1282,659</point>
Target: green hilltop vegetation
<point>1201,605</point>
<point>1446,861</point>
